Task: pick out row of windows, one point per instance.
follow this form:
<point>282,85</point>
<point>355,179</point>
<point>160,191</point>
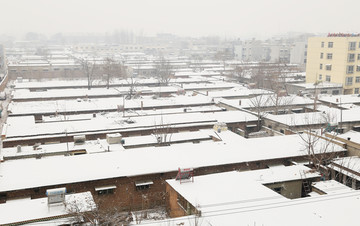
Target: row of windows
<point>330,44</point>
<point>349,80</point>
<point>351,56</point>
<point>111,189</point>
<point>349,69</point>
<point>352,45</point>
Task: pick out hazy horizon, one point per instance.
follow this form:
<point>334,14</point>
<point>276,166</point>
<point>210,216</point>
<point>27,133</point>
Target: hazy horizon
<point>225,18</point>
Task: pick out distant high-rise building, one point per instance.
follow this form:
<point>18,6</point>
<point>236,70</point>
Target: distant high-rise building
<point>335,58</point>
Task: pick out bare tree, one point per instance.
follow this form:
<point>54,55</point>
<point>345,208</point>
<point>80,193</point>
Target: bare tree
<point>162,133</point>
<point>319,148</point>
<point>258,75</point>
<point>112,69</point>
<point>100,214</point>
<point>258,104</point>
<point>163,71</point>
<point>277,100</point>
<point>240,72</point>
<point>133,83</point>
<point>89,70</point>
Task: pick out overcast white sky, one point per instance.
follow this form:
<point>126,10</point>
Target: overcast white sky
<point>261,18</point>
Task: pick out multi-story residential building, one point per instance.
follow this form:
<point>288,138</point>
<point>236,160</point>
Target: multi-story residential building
<point>3,65</point>
<point>335,58</point>
<point>298,53</point>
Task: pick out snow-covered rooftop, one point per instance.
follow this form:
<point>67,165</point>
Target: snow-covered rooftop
<point>27,210</point>
<point>331,187</point>
<point>26,126</point>
<point>319,86</point>
<point>268,101</point>
<point>238,189</point>
<point>100,104</point>
<point>25,94</point>
<point>62,170</point>
<point>236,92</point>
<point>340,99</point>
<point>353,135</point>
<point>323,210</point>
<point>332,115</point>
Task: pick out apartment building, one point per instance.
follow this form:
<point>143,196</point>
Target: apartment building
<point>3,65</point>
<point>335,58</point>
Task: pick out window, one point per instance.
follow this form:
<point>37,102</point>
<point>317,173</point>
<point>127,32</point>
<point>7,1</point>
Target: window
<point>335,92</point>
<point>105,190</point>
<point>358,68</point>
<point>350,69</point>
<point>320,66</point>
<point>359,56</point>
<point>142,185</point>
<point>357,79</point>
<point>330,44</point>
<point>349,81</point>
<point>356,90</point>
<point>321,55</point>
<point>351,57</point>
<point>352,45</point>
<point>329,56</point>
<point>328,78</point>
<point>320,77</point>
<point>328,67</point>
<point>322,44</point>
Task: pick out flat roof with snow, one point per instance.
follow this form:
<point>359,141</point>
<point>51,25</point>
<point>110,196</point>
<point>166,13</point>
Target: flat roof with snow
<point>72,169</point>
<point>26,126</point>
<point>22,211</point>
